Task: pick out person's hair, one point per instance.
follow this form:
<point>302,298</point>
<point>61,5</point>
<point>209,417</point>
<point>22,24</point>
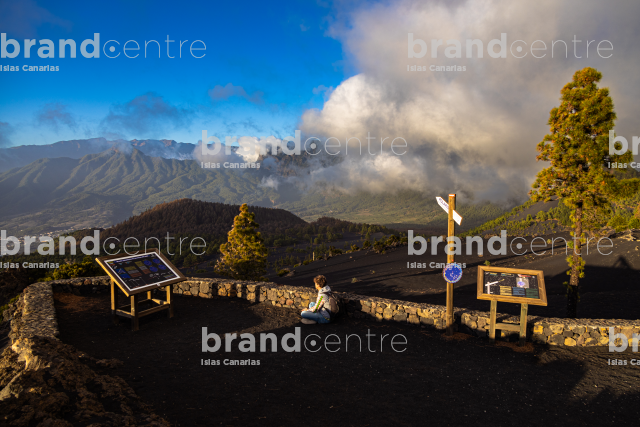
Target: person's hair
<point>320,281</point>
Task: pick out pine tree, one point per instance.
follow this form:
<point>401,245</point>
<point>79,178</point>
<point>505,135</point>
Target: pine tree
<point>244,256</point>
<point>578,151</point>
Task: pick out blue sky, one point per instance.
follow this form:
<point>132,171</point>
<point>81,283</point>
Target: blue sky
<point>265,64</point>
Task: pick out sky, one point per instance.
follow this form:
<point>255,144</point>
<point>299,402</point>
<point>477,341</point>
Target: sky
<point>264,64</point>
<point>330,69</point>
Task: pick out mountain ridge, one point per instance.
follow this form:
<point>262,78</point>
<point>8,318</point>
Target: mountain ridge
<point>101,189</point>
<point>118,182</point>
<point>23,155</point>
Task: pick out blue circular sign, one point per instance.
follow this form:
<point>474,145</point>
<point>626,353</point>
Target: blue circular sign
<point>452,272</point>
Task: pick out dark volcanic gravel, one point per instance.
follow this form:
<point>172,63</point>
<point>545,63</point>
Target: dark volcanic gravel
<point>435,380</point>
<point>609,290</point>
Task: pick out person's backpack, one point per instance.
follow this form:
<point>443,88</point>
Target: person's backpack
<point>334,306</point>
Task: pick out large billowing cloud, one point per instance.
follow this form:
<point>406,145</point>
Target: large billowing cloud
<point>473,131</point>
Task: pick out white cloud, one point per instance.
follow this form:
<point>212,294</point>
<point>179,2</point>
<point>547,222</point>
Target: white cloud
<point>473,131</point>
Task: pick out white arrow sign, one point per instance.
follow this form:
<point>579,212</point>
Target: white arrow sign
<point>444,205</point>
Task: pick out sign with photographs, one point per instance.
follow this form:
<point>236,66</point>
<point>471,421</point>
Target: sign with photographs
<point>141,272</point>
<point>511,285</point>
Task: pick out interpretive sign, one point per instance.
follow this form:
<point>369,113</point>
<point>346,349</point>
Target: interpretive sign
<point>136,274</point>
<point>142,272</point>
<point>511,285</point>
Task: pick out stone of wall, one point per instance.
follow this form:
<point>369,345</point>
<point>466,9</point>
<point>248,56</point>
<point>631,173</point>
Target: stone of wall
<point>82,286</point>
<point>552,331</point>
<point>34,313</point>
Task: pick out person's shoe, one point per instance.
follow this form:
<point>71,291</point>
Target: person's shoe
<point>308,321</point>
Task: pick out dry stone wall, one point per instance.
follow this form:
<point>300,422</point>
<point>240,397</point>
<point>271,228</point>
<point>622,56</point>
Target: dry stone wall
<point>33,314</point>
<point>552,331</point>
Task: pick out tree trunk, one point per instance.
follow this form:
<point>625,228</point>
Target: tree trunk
<point>572,289</point>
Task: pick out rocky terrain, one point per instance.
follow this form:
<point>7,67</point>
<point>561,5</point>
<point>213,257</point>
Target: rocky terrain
<point>45,382</point>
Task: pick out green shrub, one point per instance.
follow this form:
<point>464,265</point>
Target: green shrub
<point>634,223</point>
<point>306,261</point>
<point>619,223</point>
<point>355,248</point>
<point>379,247</point>
<point>366,244</point>
<point>542,216</point>
<point>201,270</point>
<point>283,272</point>
<point>487,263</point>
<point>87,268</point>
<point>392,239</point>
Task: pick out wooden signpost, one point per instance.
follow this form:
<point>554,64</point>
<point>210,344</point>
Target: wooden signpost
<point>511,285</point>
<point>453,218</point>
<point>135,275</point>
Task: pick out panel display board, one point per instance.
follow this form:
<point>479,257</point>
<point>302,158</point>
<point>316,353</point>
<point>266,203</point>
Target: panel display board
<point>511,285</point>
<point>141,272</point>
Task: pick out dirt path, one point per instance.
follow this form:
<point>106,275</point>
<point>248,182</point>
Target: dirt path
<point>433,381</point>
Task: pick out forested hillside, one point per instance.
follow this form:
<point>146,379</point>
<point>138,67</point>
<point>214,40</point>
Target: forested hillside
<point>195,217</point>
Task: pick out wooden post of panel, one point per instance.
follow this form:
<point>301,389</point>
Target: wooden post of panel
<point>523,323</point>
<point>114,301</point>
<point>170,311</point>
<point>135,324</point>
<point>492,320</point>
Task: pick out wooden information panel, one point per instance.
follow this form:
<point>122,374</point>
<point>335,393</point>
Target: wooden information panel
<point>511,285</point>
<point>136,274</point>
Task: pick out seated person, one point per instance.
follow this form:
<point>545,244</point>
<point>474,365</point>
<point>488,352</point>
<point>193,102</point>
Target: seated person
<point>319,311</point>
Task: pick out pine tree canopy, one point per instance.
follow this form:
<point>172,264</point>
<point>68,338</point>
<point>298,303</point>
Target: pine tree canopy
<point>244,256</point>
<point>578,148</point>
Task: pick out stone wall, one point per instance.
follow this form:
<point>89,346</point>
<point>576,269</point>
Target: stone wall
<point>553,331</point>
<point>33,313</point>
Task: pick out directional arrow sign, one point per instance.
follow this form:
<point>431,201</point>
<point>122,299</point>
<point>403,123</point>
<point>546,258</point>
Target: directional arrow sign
<point>444,205</point>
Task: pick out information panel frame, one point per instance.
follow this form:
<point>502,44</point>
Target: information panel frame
<point>102,261</point>
<point>542,293</point>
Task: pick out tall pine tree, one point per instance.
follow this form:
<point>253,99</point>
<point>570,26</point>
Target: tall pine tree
<point>244,256</point>
<point>577,149</point>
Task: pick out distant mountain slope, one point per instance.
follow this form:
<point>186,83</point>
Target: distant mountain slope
<point>102,189</point>
<point>106,188</point>
<point>408,207</point>
<point>23,155</point>
<point>187,216</point>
